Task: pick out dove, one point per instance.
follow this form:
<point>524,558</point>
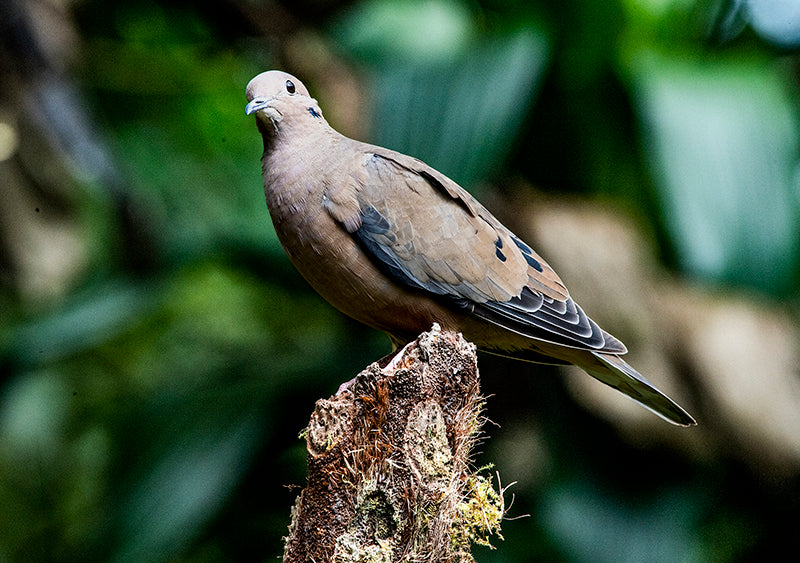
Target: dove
<point>399,246</point>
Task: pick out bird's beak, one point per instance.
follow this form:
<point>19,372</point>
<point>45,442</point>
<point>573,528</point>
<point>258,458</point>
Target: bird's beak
<point>256,104</point>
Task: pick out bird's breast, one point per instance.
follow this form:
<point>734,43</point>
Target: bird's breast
<point>331,260</point>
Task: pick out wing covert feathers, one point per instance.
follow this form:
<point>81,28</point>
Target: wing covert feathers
<point>430,234</point>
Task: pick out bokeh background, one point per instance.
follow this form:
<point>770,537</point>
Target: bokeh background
<point>159,355</point>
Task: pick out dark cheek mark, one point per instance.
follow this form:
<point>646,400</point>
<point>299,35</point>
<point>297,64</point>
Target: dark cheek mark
<point>314,113</point>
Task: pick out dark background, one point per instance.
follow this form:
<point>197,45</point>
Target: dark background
<point>159,355</point>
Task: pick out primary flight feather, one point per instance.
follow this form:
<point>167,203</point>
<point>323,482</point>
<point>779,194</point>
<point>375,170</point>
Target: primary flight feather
<point>397,245</point>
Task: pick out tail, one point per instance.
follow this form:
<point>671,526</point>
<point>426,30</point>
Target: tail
<point>615,372</point>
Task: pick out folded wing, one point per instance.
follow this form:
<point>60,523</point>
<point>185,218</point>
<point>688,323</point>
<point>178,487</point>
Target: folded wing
<point>430,234</point>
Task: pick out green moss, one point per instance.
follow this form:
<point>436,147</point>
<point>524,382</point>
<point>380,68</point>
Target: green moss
<point>481,512</point>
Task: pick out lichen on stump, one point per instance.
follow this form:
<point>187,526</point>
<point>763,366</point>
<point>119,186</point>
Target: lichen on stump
<point>389,472</point>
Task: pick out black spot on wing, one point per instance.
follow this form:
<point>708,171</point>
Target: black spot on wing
<point>528,254</point>
<point>522,246</point>
<point>532,262</point>
<point>497,251</point>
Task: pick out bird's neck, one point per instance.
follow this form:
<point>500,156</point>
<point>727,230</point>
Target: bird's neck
<point>296,134</point>
<point>297,160</point>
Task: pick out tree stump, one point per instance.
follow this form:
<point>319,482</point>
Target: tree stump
<point>389,470</point>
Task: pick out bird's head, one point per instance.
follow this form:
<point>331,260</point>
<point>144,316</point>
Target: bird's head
<point>277,98</point>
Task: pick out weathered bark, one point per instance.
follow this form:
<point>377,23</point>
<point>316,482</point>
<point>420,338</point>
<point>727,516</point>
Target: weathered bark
<point>389,472</point>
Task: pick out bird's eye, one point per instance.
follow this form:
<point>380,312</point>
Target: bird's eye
<point>290,87</point>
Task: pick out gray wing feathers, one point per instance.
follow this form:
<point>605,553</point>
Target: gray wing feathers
<point>617,373</point>
<point>456,251</point>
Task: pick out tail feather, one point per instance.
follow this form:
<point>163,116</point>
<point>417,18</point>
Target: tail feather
<point>615,372</point>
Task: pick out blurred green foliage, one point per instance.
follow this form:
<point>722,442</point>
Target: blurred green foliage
<point>723,138</point>
<point>150,413</point>
<point>444,91</point>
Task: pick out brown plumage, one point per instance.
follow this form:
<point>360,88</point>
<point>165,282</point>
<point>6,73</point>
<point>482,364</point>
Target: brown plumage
<point>397,245</point>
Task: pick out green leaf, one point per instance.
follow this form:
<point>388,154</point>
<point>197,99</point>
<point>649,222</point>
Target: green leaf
<point>88,321</point>
<point>722,138</point>
<point>456,98</point>
<point>591,525</point>
<point>460,115</point>
<point>188,474</point>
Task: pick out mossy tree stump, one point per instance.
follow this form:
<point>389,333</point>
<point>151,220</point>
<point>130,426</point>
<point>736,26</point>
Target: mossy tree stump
<point>389,472</point>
